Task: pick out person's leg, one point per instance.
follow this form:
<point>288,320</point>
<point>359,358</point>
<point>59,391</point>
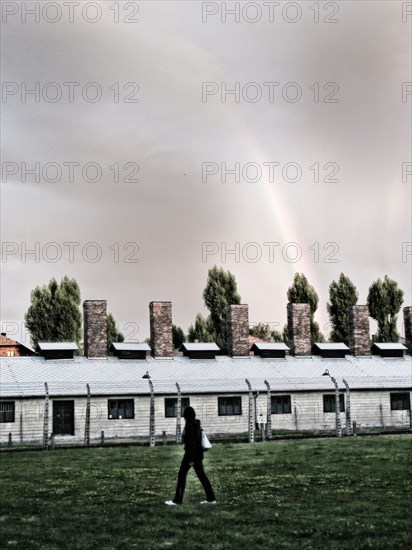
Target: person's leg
<point>204,480</point>
<point>181,481</point>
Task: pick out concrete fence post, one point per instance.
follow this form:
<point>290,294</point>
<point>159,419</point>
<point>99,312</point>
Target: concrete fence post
<point>179,415</point>
<point>251,427</point>
<point>46,419</point>
<point>87,421</point>
<point>338,427</point>
<point>337,408</point>
<point>268,412</point>
<point>10,443</point>
<point>152,441</point>
<point>348,410</point>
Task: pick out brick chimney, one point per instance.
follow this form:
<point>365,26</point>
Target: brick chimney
<point>299,329</point>
<point>407,319</point>
<point>359,338</point>
<point>95,328</point>
<point>161,335</point>
<point>237,322</point>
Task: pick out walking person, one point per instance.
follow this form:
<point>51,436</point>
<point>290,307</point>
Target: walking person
<point>192,438</point>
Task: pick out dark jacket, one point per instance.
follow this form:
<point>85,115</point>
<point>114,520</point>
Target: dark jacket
<point>192,438</point>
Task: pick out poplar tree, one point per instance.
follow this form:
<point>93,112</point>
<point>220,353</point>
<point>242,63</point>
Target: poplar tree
<point>385,299</point>
<point>178,336</point>
<point>342,295</point>
<point>113,333</point>
<point>219,293</point>
<point>201,330</point>
<point>54,314</point>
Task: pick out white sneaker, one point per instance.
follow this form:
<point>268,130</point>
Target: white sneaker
<point>170,503</point>
<point>208,502</point>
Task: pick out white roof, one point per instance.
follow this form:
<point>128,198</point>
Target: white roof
<point>390,346</point>
<point>54,346</point>
<point>200,346</point>
<point>332,346</point>
<point>130,346</point>
<point>25,376</point>
<point>269,346</point>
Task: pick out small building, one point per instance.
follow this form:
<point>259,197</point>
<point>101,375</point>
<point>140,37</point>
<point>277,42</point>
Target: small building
<point>12,348</point>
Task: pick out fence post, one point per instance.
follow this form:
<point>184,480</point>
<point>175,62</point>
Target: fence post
<point>164,437</point>
<point>337,408</point>
<point>251,427</point>
<point>21,426</point>
<point>102,437</point>
<point>87,421</point>
<point>348,411</point>
<point>10,443</point>
<point>381,413</point>
<point>152,416</point>
<point>179,415</point>
<point>410,418</point>
<point>354,427</point>
<point>46,419</point>
<point>52,441</point>
<point>269,412</point>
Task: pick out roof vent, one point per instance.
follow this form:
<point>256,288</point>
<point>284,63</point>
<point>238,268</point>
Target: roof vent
<point>269,350</point>
<point>130,350</point>
<point>388,350</point>
<point>57,350</point>
<point>331,350</point>
<point>207,350</point>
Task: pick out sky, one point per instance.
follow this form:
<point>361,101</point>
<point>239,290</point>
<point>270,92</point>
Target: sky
<point>145,142</point>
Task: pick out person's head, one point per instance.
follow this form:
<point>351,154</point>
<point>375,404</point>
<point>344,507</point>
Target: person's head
<point>189,414</point>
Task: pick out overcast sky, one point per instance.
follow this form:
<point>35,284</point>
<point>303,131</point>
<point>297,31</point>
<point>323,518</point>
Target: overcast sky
<point>162,140</point>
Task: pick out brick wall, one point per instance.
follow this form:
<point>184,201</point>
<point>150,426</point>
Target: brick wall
<point>359,337</point>
<point>299,329</point>
<point>237,319</point>
<point>95,328</point>
<point>161,335</point>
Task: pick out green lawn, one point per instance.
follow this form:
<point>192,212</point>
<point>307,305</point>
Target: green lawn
<point>324,494</point>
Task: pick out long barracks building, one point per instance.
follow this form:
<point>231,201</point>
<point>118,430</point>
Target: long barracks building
<point>140,391</point>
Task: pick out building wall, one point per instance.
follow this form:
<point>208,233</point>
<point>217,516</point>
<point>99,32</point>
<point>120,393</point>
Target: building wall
<point>9,350</point>
<point>368,408</point>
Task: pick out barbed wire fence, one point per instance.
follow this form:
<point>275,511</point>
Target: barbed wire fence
<point>37,425</point>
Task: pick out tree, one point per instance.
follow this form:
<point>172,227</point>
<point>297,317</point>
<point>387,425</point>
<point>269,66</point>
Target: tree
<point>301,292</point>
<point>201,330</point>
<point>54,314</point>
<point>219,293</point>
<point>276,336</point>
<point>342,295</point>
<point>262,331</point>
<point>178,336</point>
<point>384,302</point>
<point>113,334</point>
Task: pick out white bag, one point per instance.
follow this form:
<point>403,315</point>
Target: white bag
<point>206,445</point>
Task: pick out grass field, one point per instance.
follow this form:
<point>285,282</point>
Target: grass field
<point>330,493</point>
